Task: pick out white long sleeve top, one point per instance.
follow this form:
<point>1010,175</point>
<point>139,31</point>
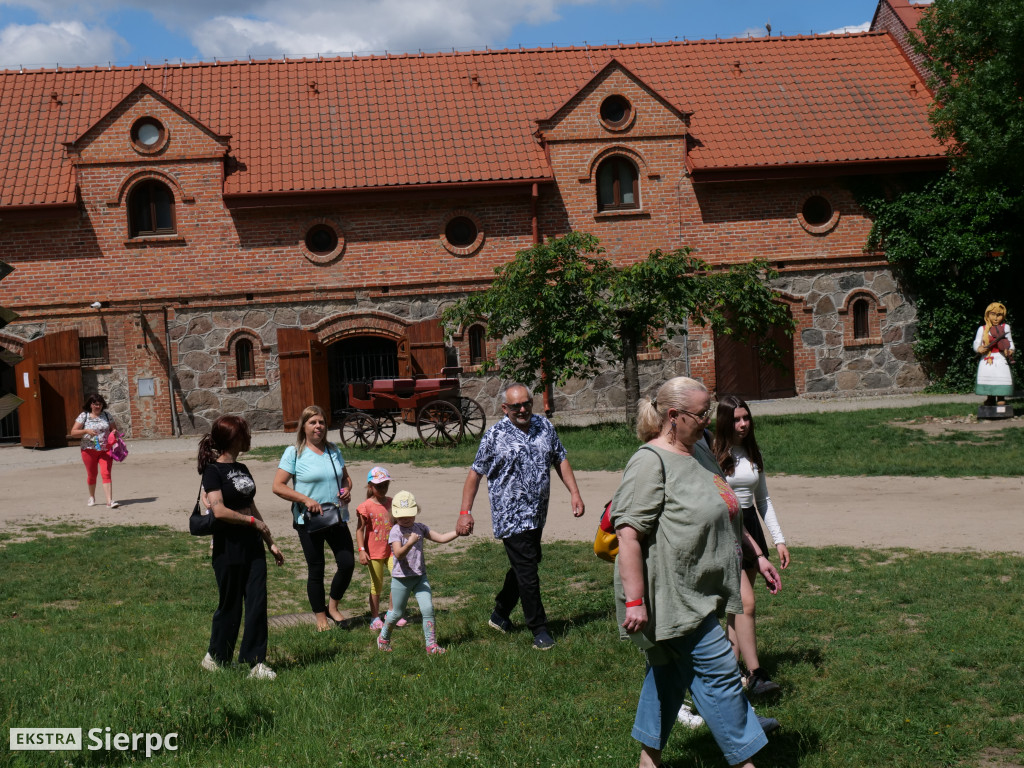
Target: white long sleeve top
<point>752,491</point>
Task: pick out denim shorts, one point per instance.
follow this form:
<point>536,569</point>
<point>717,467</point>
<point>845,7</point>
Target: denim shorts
<point>702,662</point>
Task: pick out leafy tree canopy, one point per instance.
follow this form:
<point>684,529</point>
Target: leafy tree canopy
<point>975,57</point>
<point>946,241</point>
<point>557,305</point>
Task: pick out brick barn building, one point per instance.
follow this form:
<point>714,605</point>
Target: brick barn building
<point>246,237</point>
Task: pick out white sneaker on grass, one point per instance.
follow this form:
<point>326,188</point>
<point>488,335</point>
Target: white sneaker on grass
<point>209,663</point>
<point>262,672</point>
<point>689,718</point>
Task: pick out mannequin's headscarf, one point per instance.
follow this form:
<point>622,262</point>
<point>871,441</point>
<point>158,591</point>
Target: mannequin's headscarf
<point>995,306</point>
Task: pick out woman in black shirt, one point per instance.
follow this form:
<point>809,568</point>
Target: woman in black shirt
<point>239,560</point>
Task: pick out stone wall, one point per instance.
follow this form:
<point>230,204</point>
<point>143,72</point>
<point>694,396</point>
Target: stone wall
<point>883,362</point>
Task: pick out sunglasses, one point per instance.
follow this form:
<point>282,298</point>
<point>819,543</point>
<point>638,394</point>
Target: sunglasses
<point>523,406</point>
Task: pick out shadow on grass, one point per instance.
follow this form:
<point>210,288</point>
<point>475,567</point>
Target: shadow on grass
<point>786,748</point>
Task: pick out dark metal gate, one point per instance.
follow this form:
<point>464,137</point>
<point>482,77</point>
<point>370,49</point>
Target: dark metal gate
<point>359,359</point>
<point>9,424</point>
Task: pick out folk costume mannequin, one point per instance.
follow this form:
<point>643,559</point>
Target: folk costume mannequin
<point>995,345</point>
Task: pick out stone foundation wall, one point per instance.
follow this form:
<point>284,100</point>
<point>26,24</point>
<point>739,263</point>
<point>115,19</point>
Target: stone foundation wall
<point>829,360</point>
<point>884,362</point>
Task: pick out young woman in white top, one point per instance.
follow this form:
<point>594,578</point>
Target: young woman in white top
<point>740,458</point>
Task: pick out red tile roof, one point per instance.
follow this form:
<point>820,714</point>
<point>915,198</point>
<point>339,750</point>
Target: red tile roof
<point>909,13</point>
<point>371,122</point>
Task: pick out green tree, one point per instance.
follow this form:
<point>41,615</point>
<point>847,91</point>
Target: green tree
<point>946,241</point>
<point>666,290</point>
<point>974,53</point>
<point>560,303</point>
<point>940,234</point>
<point>547,305</point>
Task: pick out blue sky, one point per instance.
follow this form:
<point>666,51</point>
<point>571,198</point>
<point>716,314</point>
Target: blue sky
<point>45,33</point>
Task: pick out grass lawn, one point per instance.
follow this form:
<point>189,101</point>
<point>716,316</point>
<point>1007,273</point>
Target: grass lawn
<point>870,442</point>
<point>886,658</point>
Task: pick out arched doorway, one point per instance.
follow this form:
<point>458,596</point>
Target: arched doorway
<point>359,359</point>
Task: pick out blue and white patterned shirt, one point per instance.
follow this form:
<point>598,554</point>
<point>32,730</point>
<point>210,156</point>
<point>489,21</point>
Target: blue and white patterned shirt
<point>517,466</point>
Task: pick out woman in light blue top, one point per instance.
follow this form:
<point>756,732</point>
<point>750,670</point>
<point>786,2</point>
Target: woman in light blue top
<point>320,477</point>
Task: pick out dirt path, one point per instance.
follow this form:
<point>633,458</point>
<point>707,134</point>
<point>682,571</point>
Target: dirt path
<point>934,514</point>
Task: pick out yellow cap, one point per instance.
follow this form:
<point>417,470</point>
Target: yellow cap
<point>404,505</point>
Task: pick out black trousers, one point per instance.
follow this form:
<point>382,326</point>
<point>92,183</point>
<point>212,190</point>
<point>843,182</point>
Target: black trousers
<point>522,582</point>
<point>238,584</point>
<point>339,539</point>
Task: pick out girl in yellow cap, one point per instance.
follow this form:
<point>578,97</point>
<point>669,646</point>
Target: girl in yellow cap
<point>409,575</point>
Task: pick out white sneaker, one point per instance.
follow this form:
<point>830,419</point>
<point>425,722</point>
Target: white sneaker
<point>262,672</point>
<point>91,502</point>
<point>689,718</point>
<point>209,663</point>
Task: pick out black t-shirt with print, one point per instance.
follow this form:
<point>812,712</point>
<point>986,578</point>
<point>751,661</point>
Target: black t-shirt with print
<point>239,542</point>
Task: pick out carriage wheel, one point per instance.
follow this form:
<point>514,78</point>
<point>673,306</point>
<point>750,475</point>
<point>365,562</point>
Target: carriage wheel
<point>386,429</point>
<point>359,429</point>
<point>439,423</point>
<point>473,419</point>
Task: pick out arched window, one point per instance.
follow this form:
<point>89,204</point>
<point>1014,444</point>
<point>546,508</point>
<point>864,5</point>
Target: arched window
<point>150,209</point>
<point>617,186</point>
<point>861,329</point>
<point>477,345</point>
<point>245,360</point>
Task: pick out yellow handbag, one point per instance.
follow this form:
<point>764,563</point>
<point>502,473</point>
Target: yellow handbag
<point>606,543</point>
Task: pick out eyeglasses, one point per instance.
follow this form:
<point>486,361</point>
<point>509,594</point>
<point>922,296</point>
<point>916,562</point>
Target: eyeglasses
<point>705,416</point>
<point>523,406</point>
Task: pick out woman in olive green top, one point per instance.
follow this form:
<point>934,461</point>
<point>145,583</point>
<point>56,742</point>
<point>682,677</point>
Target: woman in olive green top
<point>678,573</point>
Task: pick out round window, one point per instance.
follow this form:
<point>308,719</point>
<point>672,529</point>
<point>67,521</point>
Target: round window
<point>616,111</point>
<point>321,239</point>
<point>461,232</point>
<point>148,134</point>
<point>817,211</point>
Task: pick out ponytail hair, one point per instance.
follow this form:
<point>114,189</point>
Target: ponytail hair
<point>226,433</point>
<point>652,412</point>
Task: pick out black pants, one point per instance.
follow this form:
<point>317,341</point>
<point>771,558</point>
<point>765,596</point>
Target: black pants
<point>522,581</point>
<point>239,583</point>
<point>339,539</point>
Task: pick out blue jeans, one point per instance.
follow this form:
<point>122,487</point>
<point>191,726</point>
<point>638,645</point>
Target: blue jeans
<point>702,661</point>
<point>401,588</point>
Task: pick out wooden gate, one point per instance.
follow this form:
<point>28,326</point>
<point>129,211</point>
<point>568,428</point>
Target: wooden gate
<point>741,370</point>
<point>426,349</point>
<point>53,395</point>
<point>302,362</point>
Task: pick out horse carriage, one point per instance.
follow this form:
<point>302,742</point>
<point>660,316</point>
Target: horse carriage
<point>436,407</point>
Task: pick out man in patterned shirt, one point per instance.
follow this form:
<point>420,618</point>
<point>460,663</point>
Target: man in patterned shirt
<point>516,456</point>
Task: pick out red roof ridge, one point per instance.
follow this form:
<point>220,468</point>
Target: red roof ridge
<point>388,56</point>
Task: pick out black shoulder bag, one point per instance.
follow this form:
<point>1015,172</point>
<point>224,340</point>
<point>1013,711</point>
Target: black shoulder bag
<point>202,522</point>
<point>330,513</point>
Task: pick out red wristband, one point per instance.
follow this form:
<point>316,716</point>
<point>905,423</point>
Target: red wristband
<point>466,512</point>
<point>634,603</point>
<point>252,520</point>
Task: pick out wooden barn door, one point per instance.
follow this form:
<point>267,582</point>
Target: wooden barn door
<point>30,412</point>
<point>55,385</point>
<point>302,363</point>
<point>740,369</point>
<point>426,349</point>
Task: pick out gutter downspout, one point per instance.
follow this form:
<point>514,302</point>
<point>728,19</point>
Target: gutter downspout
<point>175,426</point>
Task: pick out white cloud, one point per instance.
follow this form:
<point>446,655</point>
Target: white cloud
<point>852,28</point>
<point>311,26</point>
<point>68,43</point>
